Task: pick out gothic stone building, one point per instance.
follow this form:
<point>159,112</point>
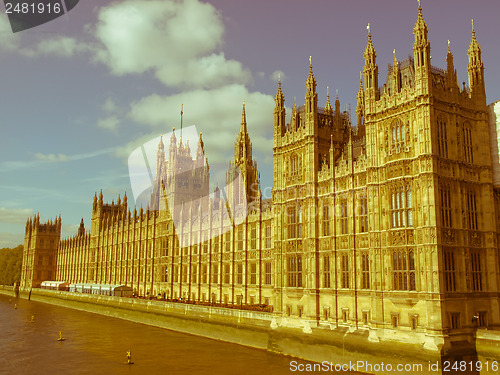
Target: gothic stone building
<point>360,232</point>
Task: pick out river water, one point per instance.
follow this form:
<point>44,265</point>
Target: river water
<point>97,344</point>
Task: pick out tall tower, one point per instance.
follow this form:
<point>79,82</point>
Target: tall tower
<point>41,243</point>
<point>245,165</point>
<point>298,149</point>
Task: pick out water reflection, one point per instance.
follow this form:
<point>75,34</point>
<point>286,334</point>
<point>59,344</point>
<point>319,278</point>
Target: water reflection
<point>97,344</point>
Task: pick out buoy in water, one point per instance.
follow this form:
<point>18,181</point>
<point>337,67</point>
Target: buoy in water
<point>61,338</point>
<point>15,306</point>
<point>32,319</point>
<point>129,358</point>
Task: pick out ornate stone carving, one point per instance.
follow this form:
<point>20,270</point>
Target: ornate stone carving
<point>475,238</point>
<point>448,237</point>
<point>398,238</point>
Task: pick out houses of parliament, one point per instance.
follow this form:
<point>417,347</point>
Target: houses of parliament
<point>390,224</point>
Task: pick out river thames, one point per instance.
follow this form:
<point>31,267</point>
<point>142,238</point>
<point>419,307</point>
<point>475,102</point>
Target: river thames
<point>97,344</point>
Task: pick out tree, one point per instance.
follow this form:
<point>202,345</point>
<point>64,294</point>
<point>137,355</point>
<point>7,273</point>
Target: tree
<point>10,265</point>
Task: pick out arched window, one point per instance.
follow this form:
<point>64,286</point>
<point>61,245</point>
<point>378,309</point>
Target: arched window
<point>442,136</point>
<point>398,134</point>
<point>467,136</point>
<point>402,207</point>
<point>403,270</point>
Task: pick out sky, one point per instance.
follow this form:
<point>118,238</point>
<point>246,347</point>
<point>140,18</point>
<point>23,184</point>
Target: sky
<point>80,93</point>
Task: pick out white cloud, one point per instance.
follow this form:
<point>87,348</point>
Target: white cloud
<point>15,215</point>
<point>8,40</point>
<point>61,46</point>
<point>69,230</point>
<point>177,40</point>
<point>51,157</point>
<point>11,239</point>
<point>208,71</point>
<point>123,152</point>
<point>278,75</point>
<point>109,123</point>
<point>109,106</point>
<point>216,113</point>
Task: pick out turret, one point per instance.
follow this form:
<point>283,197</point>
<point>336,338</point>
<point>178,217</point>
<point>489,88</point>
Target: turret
<point>243,147</point>
<point>200,151</point>
<point>475,69</point>
<point>160,156</point>
<point>94,204</point>
<point>124,204</point>
<point>337,108</point>
<point>328,107</point>
<point>422,55</point>
<point>295,117</point>
<point>396,78</point>
<point>311,99</point>
<point>451,73</point>
<point>279,112</point>
<point>173,146</point>
<point>370,71</point>
<point>81,229</point>
<point>360,129</point>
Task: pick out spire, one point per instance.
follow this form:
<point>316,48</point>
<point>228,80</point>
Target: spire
<point>474,50</point>
<point>421,46</point>
<point>243,127</point>
<point>475,68</point>
<point>328,107</point>
<point>173,141</point>
<point>451,74</point>
<point>420,25</point>
<point>370,53</point>
<point>396,79</point>
<point>311,81</point>
<point>81,229</point>
<point>360,108</point>
<point>295,119</point>
<point>279,111</point>
<point>161,146</point>
<point>370,69</point>
<point>279,98</point>
<point>200,152</point>
<point>337,105</point>
<point>311,97</point>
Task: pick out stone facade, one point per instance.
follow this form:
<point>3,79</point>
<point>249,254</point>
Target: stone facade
<point>390,228</point>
